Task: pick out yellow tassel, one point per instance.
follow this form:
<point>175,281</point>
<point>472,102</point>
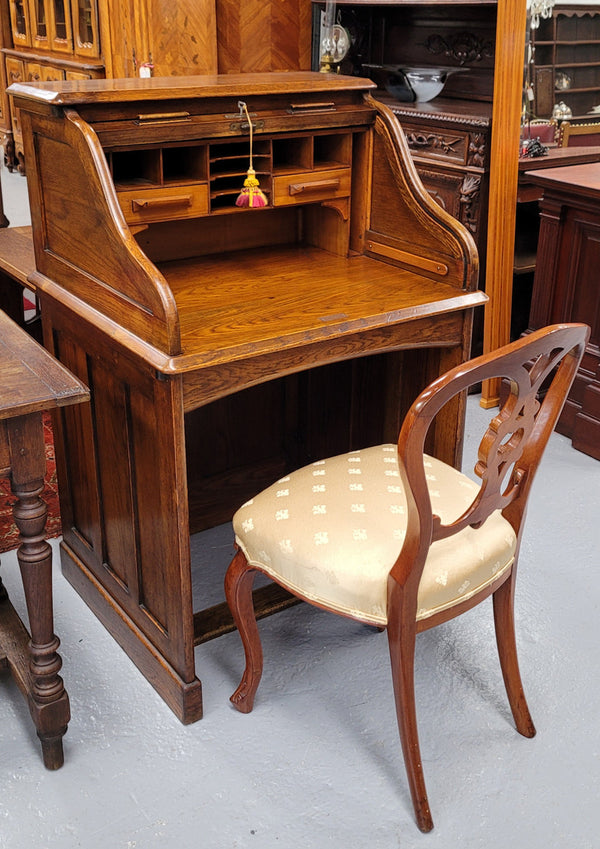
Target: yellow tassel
<point>251,195</point>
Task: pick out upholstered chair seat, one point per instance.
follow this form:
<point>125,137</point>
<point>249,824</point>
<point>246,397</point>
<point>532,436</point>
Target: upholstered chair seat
<point>331,533</point>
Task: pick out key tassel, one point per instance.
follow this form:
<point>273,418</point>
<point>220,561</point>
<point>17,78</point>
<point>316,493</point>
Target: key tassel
<point>251,195</point>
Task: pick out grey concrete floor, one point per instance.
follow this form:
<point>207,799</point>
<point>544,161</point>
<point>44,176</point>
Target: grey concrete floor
<point>318,762</point>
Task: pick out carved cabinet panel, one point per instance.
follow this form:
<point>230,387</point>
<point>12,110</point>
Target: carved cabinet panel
<point>451,152</point>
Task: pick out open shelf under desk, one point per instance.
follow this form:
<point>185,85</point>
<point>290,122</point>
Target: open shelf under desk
<point>268,300</point>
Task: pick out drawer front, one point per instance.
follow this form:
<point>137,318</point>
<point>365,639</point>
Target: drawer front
<point>15,70</point>
<point>440,145</point>
<point>49,72</point>
<point>163,203</point>
<point>78,75</point>
<point>33,72</point>
<point>310,186</point>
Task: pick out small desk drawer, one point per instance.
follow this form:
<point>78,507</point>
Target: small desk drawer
<point>309,186</point>
<point>163,203</point>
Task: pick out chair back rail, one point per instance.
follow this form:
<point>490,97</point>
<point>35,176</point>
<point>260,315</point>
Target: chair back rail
<point>539,369</point>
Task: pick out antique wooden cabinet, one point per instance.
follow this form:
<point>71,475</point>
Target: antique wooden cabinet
<point>82,39</point>
<point>565,286</point>
<point>566,63</point>
<point>225,345</point>
<point>449,136</point>
<point>438,32</point>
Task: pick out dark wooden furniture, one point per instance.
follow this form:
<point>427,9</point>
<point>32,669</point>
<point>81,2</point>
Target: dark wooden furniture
<point>450,143</point>
<point>488,39</point>
<point>368,554</point>
<point>528,225</point>
<point>32,381</point>
<point>565,286</point>
<point>579,135</point>
<point>567,45</point>
<point>449,136</point>
<point>223,346</point>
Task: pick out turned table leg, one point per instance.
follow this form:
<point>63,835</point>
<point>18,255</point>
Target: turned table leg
<point>48,700</point>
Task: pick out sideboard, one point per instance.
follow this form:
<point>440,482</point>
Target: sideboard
<point>225,345</point>
<point>565,285</point>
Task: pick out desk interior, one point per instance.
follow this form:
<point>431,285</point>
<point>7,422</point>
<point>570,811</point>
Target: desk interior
<point>266,299</point>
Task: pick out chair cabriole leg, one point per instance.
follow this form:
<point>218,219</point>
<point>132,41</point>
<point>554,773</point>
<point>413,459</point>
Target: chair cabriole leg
<point>238,591</point>
<point>504,622</point>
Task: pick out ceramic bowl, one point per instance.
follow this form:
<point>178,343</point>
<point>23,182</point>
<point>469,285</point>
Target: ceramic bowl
<point>410,84</point>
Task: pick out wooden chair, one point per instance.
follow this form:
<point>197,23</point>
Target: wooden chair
<point>394,538</point>
<point>579,135</point>
<point>546,130</point>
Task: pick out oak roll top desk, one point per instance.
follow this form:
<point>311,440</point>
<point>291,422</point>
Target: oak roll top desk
<point>225,346</point>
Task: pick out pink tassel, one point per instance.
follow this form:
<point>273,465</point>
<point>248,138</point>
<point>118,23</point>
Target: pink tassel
<point>251,195</point>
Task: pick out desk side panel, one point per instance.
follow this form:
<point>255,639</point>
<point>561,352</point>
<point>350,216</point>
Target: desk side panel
<point>404,224</point>
<point>82,243</point>
<point>122,473</point>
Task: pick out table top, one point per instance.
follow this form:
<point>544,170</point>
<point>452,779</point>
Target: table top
<point>584,178</point>
<point>32,380</point>
<point>558,157</point>
<point>16,253</point>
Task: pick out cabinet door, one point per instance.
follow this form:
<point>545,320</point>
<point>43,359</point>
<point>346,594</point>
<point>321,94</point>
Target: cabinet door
<point>182,37</point>
<point>60,26</point>
<point>15,73</point>
<point>78,75</point>
<point>19,22</point>
<point>86,32</point>
<point>40,17</point>
<point>175,39</point>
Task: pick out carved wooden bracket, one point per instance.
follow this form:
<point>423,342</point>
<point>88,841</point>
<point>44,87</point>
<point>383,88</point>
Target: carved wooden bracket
<point>465,48</point>
<point>469,202</point>
<point>432,141</point>
<point>477,150</point>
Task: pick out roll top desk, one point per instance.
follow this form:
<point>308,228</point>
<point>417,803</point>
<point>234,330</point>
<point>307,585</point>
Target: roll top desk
<point>225,346</point>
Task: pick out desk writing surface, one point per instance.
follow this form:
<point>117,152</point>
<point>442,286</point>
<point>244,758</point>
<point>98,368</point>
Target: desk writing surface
<point>264,300</point>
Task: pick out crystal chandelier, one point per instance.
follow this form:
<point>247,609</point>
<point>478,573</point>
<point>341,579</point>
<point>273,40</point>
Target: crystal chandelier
<point>539,9</point>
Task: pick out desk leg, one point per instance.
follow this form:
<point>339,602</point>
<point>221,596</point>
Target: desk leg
<point>48,700</point>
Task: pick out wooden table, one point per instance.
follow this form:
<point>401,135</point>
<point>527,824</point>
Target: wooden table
<point>556,157</point>
<point>225,346</point>
<point>32,381</point>
<point>566,286</point>
<point>17,262</point>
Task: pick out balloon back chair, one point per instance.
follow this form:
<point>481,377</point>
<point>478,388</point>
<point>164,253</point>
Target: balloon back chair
<point>392,537</point>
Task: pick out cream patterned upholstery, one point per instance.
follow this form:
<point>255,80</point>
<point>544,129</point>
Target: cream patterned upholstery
<point>331,532</point>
